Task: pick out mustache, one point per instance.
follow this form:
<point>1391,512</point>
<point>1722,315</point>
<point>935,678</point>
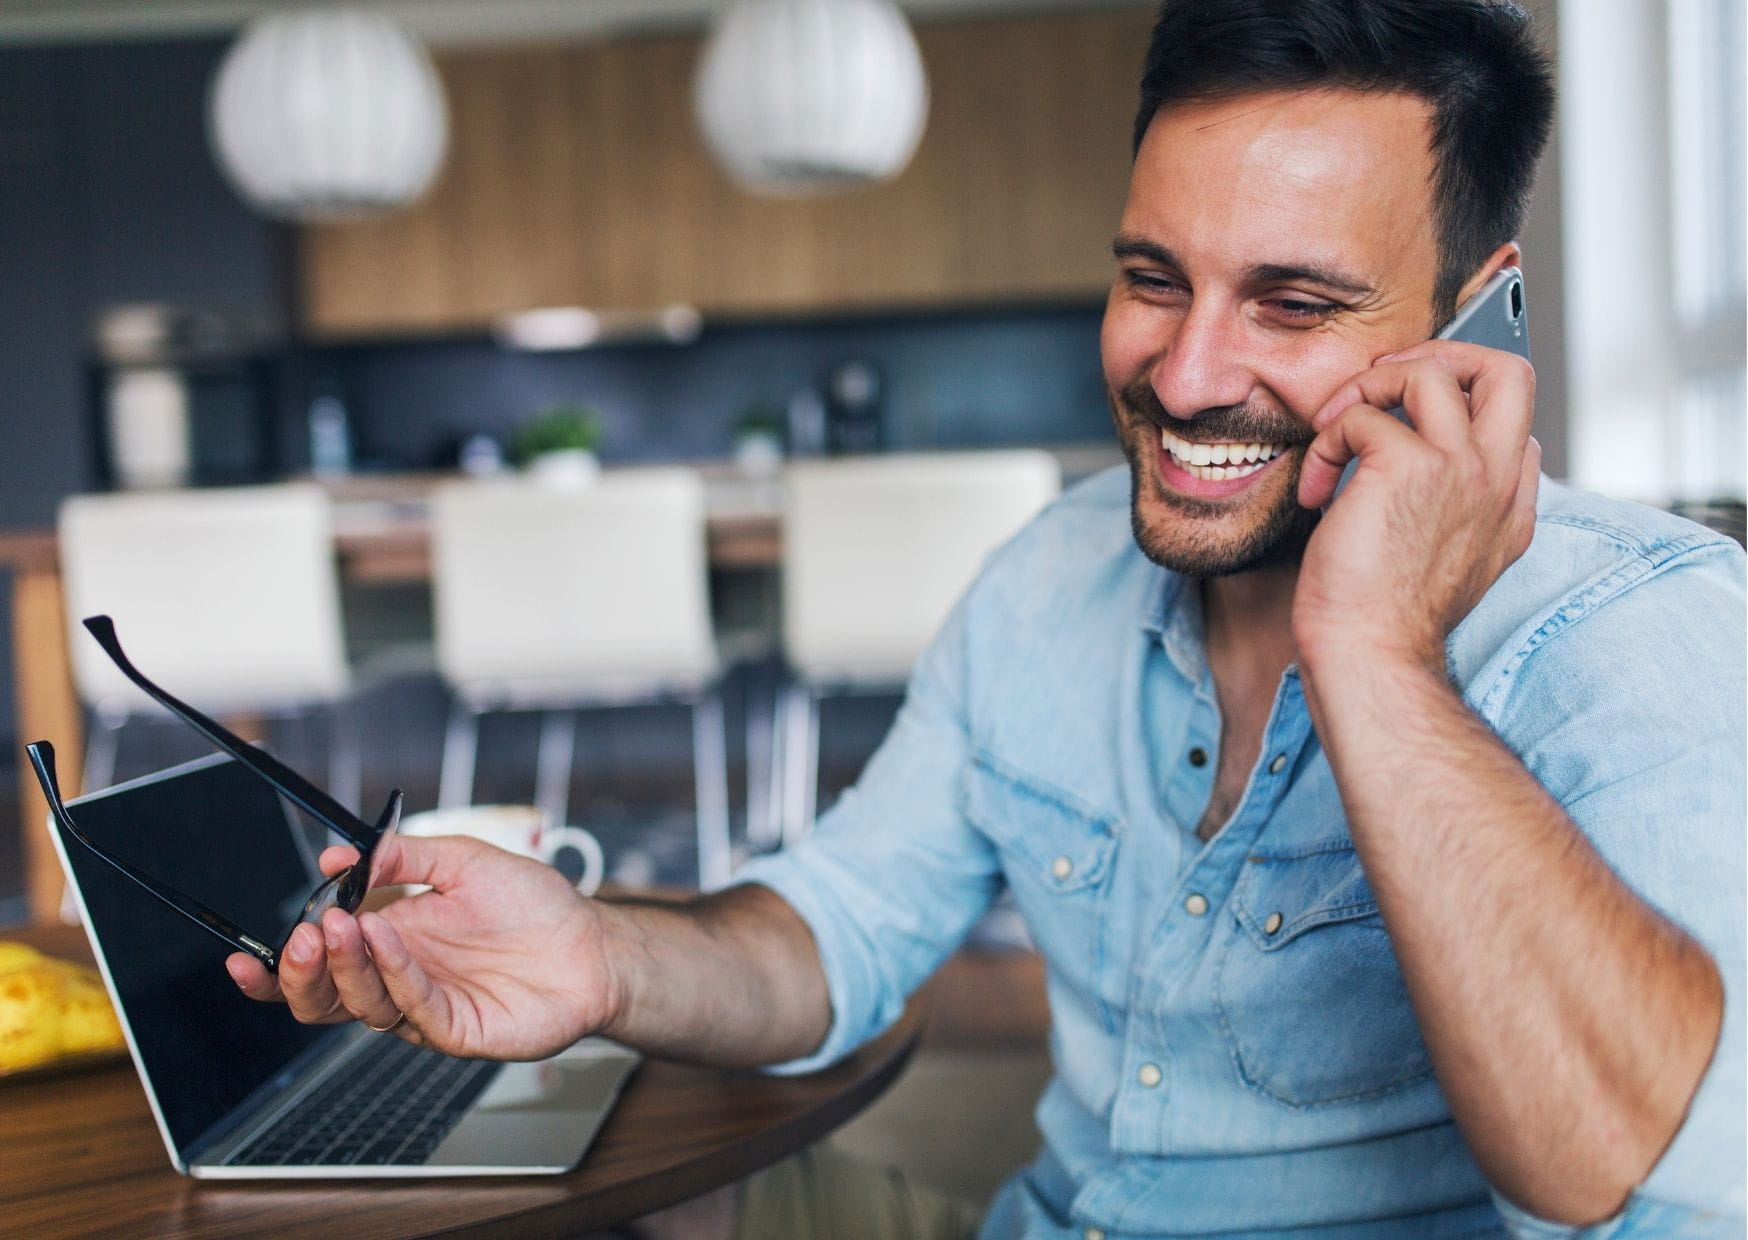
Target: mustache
<point>1246,423</point>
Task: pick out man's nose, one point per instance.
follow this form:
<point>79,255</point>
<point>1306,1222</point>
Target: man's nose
<point>1204,365</point>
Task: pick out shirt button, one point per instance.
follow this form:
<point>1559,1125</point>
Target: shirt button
<point>1278,764</point>
<point>1272,924</point>
<point>1062,867</point>
<point>1198,756</point>
<point>1196,905</point>
<point>1094,1233</point>
<point>1149,1075</point>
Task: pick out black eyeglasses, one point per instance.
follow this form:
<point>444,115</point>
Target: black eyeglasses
<point>344,890</point>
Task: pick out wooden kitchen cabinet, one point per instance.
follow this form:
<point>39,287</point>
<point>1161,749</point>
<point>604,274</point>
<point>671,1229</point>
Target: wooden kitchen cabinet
<point>576,175</point>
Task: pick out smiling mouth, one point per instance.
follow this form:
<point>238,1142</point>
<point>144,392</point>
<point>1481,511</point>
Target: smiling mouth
<point>1219,462</point>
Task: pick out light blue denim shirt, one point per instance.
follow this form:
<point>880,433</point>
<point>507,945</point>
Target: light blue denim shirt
<point>1234,1051</point>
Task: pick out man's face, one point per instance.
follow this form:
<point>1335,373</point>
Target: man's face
<point>1272,246</point>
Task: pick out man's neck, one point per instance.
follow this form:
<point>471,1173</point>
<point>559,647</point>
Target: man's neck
<point>1248,622</point>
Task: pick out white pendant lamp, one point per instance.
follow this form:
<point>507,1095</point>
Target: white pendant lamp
<point>327,114</point>
<point>801,97</point>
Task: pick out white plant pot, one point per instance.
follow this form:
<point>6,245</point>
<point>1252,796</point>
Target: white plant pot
<point>758,455</point>
<point>572,467</point>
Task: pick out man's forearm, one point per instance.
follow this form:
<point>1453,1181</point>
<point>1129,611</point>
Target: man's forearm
<point>731,979</point>
<point>1568,1022</point>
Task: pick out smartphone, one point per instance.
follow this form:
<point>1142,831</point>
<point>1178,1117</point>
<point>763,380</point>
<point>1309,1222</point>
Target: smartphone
<point>1493,318</point>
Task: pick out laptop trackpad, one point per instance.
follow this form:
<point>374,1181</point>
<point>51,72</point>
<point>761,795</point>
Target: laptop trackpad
<point>537,1114</point>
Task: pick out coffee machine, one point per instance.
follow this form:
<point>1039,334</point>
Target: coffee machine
<point>854,408</point>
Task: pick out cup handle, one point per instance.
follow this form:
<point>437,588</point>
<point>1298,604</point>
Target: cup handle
<point>553,839</point>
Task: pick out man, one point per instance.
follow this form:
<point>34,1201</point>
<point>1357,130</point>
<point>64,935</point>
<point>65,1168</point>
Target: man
<point>1385,854</point>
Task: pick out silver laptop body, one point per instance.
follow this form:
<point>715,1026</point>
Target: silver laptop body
<point>239,1089</point>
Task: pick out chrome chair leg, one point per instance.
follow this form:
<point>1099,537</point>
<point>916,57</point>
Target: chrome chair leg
<point>810,760</point>
<point>790,748</point>
<point>764,823</point>
<point>460,753</point>
<point>552,768</point>
<point>776,779</point>
<point>345,758</point>
<point>100,750</point>
<point>800,760</point>
<point>710,773</point>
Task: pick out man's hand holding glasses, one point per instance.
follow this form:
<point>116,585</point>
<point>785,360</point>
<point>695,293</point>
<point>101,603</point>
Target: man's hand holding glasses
<point>502,958</point>
<point>516,969</point>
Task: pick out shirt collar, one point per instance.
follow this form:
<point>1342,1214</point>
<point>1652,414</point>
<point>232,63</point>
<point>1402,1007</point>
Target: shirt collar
<point>1172,612</point>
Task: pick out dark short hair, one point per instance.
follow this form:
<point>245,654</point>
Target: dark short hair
<point>1476,62</point>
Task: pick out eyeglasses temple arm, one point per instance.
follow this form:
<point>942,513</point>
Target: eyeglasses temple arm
<point>390,818</point>
<point>303,793</point>
<point>42,759</point>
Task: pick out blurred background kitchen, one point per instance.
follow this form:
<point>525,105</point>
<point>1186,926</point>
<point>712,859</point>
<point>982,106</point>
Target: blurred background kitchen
<point>242,243</point>
<point>371,252</point>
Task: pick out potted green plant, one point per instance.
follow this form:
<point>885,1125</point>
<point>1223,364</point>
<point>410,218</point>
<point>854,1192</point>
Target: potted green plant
<point>558,444</point>
<point>758,440</point>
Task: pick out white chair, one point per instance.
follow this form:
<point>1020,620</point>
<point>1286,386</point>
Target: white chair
<point>554,600</point>
<point>876,551</point>
<point>228,598</point>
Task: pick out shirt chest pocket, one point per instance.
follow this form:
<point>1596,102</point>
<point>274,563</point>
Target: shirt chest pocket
<point>1057,855</point>
<point>1309,994</point>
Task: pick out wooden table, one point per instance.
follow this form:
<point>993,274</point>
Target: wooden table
<point>80,1155</point>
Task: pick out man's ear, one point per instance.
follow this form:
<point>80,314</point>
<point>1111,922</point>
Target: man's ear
<point>1507,255</point>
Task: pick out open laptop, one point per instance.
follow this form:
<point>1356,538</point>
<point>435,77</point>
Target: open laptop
<point>240,1090</point>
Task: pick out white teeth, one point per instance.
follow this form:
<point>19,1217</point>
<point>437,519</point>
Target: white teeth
<point>1220,460</point>
<point>1218,473</point>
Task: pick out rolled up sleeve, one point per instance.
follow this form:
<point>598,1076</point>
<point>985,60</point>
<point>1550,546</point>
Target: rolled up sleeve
<point>893,875</point>
<point>1663,803</point>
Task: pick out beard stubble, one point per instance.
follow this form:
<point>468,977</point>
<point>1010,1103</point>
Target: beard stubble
<point>1184,539</point>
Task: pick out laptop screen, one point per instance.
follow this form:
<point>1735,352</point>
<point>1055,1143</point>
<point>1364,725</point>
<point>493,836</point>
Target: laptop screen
<point>218,833</point>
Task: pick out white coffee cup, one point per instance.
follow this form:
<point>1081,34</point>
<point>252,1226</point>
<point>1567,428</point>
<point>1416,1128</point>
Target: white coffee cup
<point>521,829</point>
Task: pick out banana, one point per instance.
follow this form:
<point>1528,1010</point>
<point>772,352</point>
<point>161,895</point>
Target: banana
<point>30,1017</point>
<point>17,956</point>
<point>88,1021</point>
<point>50,1008</point>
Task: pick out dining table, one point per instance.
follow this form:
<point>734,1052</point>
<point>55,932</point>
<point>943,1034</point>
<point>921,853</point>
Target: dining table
<point>80,1154</point>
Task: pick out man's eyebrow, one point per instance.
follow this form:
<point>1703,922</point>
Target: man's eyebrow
<point>1312,273</point>
<point>1129,245</point>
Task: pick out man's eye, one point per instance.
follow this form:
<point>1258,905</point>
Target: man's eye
<point>1299,308</point>
<point>1151,282</point>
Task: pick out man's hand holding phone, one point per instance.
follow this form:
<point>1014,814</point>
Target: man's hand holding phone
<point>1433,514</point>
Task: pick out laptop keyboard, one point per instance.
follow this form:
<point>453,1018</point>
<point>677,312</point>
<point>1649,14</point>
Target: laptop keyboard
<point>386,1107</point>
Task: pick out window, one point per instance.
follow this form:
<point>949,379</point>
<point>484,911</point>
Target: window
<point>1653,125</point>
